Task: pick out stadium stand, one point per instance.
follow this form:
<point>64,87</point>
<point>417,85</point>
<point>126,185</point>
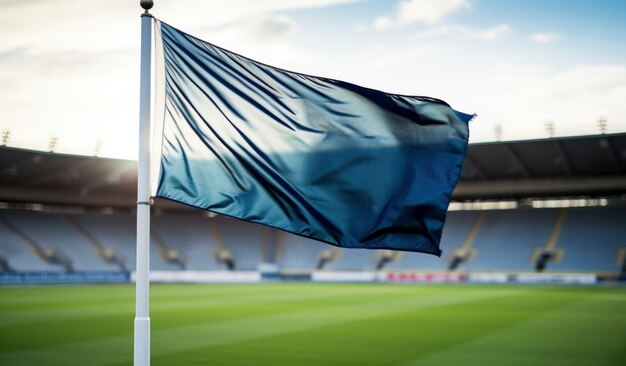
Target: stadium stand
<point>592,238</point>
<point>191,235</point>
<point>18,254</point>
<point>242,240</point>
<point>620,260</point>
<point>352,260</point>
<point>116,232</point>
<point>300,253</point>
<point>75,213</point>
<point>4,265</point>
<point>458,224</point>
<point>106,254</point>
<point>51,233</point>
<point>167,253</point>
<point>507,238</point>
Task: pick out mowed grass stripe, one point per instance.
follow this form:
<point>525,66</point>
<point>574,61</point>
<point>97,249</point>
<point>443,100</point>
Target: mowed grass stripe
<point>100,305</point>
<point>391,339</point>
<point>117,349</point>
<point>50,296</point>
<point>590,331</point>
<point>85,323</point>
<point>380,339</point>
<point>61,297</point>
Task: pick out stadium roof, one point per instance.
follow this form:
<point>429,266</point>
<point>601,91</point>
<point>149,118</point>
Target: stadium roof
<point>565,166</point>
<point>583,165</point>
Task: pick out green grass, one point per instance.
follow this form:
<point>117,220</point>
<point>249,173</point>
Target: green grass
<point>314,324</point>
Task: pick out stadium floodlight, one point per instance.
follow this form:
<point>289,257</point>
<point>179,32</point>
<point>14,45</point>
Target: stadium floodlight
<point>550,129</point>
<point>6,135</point>
<point>53,143</point>
<point>97,149</point>
<point>498,131</point>
<point>603,125</point>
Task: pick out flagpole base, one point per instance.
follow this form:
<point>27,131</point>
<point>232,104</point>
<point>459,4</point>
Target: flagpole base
<point>142,341</point>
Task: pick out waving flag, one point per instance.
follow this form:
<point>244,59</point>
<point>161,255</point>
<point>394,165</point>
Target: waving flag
<point>322,158</point>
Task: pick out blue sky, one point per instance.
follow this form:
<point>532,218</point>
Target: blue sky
<point>69,68</point>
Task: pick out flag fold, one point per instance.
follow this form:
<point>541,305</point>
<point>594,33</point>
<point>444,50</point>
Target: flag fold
<point>321,158</point>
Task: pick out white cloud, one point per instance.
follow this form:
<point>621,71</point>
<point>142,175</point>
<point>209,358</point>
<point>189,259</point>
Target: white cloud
<point>490,34</point>
<point>382,22</point>
<point>252,31</point>
<point>74,74</point>
<point>360,27</point>
<point>545,37</point>
<point>487,35</point>
<point>275,26</point>
<point>524,98</point>
<point>427,11</point>
<point>70,68</point>
<point>422,11</point>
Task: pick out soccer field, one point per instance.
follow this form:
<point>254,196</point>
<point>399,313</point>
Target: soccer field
<point>314,324</point>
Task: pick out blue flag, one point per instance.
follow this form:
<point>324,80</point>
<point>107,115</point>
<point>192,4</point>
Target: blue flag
<point>321,158</point>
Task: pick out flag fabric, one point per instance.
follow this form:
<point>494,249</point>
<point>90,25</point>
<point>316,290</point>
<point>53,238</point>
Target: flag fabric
<point>321,158</point>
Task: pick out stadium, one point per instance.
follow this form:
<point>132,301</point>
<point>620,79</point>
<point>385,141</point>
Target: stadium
<point>527,216</point>
<point>554,206</point>
<point>298,191</point>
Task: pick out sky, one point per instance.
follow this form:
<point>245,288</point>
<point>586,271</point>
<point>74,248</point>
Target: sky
<point>69,69</point>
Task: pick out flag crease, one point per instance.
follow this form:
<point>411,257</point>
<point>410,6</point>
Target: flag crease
<point>321,158</point>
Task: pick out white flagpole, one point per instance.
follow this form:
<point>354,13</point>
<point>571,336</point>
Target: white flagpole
<point>142,315</point>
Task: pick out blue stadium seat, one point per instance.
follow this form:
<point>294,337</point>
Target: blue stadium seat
<point>299,253</point>
<point>591,238</point>
<point>190,234</point>
<point>507,238</point>
<point>18,253</point>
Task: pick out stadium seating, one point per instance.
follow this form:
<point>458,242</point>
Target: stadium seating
<point>191,235</point>
<point>457,227</point>
<point>17,253</point>
<point>590,240</point>
<point>507,239</point>
<point>52,231</point>
<point>299,253</point>
<point>242,240</point>
<point>117,232</point>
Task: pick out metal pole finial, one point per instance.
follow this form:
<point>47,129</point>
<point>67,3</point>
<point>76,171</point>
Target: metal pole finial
<point>146,5</point>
